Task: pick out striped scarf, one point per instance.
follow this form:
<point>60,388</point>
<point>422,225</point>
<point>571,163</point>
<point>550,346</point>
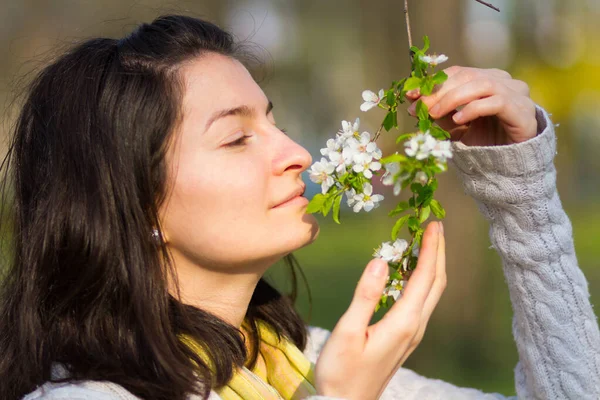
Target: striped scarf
<point>281,371</point>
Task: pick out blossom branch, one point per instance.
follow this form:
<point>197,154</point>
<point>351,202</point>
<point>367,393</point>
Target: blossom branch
<point>488,4</point>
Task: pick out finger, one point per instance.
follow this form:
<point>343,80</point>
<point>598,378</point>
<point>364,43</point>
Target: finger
<point>498,105</point>
<point>495,72</point>
<point>440,280</point>
<point>465,94</point>
<point>458,76</point>
<point>419,285</point>
<point>366,296</point>
<point>413,94</point>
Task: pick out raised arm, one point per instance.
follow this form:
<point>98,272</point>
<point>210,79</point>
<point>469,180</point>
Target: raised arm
<point>554,326</point>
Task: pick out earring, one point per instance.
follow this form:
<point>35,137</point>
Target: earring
<point>156,235</point>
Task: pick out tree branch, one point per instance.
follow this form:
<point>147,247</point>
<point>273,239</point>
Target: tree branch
<point>488,4</point>
<point>408,31</point>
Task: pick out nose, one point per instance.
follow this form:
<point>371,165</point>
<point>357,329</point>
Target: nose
<point>290,156</point>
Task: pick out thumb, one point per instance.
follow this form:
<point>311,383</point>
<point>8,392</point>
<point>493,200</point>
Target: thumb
<point>366,296</point>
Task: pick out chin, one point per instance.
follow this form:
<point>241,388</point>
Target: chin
<point>310,232</point>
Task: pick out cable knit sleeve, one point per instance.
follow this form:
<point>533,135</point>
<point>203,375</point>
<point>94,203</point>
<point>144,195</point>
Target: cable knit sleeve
<point>554,326</point>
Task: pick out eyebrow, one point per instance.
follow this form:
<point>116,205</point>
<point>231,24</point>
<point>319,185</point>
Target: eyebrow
<point>244,111</point>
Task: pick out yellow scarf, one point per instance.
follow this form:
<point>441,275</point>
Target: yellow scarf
<point>281,371</point>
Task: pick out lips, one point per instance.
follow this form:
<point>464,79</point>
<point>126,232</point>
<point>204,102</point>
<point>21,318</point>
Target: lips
<point>295,193</point>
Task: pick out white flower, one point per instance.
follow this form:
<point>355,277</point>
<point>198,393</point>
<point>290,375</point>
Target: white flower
<point>389,177</point>
<point>371,99</point>
<point>348,129</point>
<point>343,159</point>
<point>392,252</point>
<point>366,168</point>
<point>320,172</point>
<point>442,150</point>
<point>364,149</point>
<point>395,289</point>
<point>420,145</point>
<point>392,292</point>
<point>351,195</point>
<point>333,146</point>
<point>421,177</point>
<point>434,59</point>
<point>366,199</point>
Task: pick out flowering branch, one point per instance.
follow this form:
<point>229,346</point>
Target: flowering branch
<point>351,159</point>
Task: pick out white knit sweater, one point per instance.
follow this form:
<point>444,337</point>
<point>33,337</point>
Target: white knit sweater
<point>554,326</point>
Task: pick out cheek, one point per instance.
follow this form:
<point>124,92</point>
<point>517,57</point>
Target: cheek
<point>212,200</point>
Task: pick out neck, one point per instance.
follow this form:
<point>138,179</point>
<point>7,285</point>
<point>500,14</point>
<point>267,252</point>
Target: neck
<point>224,292</point>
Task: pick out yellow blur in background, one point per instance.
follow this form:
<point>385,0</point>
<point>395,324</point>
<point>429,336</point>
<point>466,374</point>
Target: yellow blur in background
<point>318,58</point>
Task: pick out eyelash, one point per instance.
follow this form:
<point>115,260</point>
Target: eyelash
<point>241,141</point>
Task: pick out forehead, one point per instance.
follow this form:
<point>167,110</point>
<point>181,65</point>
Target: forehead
<point>214,82</point>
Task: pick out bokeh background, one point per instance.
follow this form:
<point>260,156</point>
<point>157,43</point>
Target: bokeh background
<point>318,57</point>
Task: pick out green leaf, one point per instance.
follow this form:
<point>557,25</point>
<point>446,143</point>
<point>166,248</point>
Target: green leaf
<point>398,225</point>
<point>396,275</point>
<point>437,209</point>
<point>434,184</point>
<point>427,86</point>
<point>422,111</point>
<point>404,136</point>
<point>425,212</point>
<point>393,158</point>
<point>424,125</point>
<point>439,78</point>
<point>439,133</point>
<point>316,204</point>
<point>336,209</point>
<point>425,196</point>
<point>426,43</point>
<point>400,208</point>
<point>411,202</point>
<point>328,204</point>
<point>416,188</point>
<point>400,85</point>
<point>390,120</point>
<point>413,223</point>
<point>412,83</point>
<point>391,98</point>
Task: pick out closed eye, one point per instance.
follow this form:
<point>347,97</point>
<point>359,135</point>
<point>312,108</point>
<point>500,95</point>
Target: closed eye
<point>239,142</point>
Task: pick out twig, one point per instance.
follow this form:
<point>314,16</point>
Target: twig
<point>408,31</point>
<point>377,133</point>
<point>488,4</point>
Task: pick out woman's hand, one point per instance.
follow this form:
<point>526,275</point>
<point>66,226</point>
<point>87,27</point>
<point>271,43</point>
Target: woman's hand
<point>358,360</point>
<point>497,109</point>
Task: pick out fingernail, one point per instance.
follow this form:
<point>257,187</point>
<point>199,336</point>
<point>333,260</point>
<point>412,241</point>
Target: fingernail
<point>378,269</point>
<point>441,227</point>
<point>457,117</point>
<point>434,110</point>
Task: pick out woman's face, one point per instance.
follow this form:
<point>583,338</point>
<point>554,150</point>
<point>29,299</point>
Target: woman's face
<point>230,168</point>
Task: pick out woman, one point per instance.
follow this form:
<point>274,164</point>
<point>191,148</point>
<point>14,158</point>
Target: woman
<point>149,178</point>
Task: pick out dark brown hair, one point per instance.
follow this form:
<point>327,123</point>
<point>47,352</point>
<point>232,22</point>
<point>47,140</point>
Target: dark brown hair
<point>86,285</point>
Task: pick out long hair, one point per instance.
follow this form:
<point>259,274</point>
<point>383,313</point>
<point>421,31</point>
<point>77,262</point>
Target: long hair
<point>86,283</point>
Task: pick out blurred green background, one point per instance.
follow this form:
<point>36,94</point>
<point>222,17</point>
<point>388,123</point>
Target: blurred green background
<point>318,57</point>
